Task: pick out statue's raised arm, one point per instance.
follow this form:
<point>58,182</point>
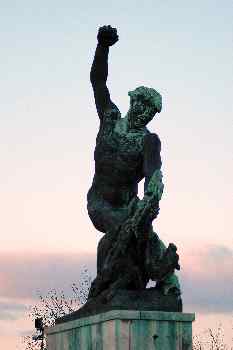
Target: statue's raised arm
<point>107,36</point>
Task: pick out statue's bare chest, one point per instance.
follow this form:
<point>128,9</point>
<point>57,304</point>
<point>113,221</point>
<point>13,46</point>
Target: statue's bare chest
<point>129,146</point>
<point>120,147</point>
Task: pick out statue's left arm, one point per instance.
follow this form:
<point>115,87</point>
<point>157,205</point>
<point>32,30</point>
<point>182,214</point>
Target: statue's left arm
<point>151,157</point>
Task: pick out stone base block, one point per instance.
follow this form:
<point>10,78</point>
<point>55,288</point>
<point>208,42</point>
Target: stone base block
<point>124,330</point>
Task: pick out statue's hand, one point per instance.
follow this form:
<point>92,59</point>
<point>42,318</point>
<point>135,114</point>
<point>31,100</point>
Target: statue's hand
<point>107,36</point>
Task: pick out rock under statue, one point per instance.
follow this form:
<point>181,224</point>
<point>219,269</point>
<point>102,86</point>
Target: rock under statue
<point>130,252</point>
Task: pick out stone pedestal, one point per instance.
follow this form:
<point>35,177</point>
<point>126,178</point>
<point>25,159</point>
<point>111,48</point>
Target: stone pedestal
<point>124,330</point>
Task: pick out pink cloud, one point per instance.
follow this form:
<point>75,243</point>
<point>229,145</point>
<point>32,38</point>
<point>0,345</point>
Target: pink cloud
<point>207,279</point>
<point>206,275</point>
<point>22,276</point>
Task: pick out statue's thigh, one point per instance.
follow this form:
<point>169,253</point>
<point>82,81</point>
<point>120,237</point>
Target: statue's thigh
<point>105,217</point>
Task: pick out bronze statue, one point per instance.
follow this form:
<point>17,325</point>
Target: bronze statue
<point>130,253</point>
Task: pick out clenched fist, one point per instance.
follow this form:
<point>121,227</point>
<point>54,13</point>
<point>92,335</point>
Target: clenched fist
<point>107,36</point>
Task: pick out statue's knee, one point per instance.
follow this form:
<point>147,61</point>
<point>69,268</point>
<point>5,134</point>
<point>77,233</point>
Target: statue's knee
<point>105,244</point>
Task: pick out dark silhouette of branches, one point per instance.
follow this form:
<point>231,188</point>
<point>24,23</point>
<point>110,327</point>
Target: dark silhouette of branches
<point>56,304</point>
<point>211,340</point>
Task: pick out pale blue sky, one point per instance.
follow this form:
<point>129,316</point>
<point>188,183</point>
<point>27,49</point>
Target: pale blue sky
<point>49,124</point>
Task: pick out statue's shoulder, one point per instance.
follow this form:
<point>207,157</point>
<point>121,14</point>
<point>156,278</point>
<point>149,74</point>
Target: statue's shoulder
<point>151,135</point>
<point>152,140</point>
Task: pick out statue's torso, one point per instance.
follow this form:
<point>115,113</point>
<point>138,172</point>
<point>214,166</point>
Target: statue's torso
<point>118,160</point>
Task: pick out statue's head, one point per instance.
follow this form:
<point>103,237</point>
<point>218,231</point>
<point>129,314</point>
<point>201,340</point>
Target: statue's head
<point>144,104</point>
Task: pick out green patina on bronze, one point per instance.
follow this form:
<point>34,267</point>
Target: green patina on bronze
<point>130,253</point>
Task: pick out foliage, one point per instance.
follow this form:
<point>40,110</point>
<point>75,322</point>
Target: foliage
<point>211,340</point>
<point>54,305</point>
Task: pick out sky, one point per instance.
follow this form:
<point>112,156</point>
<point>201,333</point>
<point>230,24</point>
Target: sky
<point>48,128</point>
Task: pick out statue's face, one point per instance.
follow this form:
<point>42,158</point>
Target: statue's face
<point>140,113</point>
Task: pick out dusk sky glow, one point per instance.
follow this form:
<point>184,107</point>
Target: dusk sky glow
<point>48,130</point>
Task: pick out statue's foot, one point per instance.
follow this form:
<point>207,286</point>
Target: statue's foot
<point>98,285</point>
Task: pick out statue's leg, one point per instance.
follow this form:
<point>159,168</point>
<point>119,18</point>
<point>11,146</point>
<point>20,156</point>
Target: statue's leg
<point>106,219</point>
<point>131,276</point>
<point>104,246</point>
